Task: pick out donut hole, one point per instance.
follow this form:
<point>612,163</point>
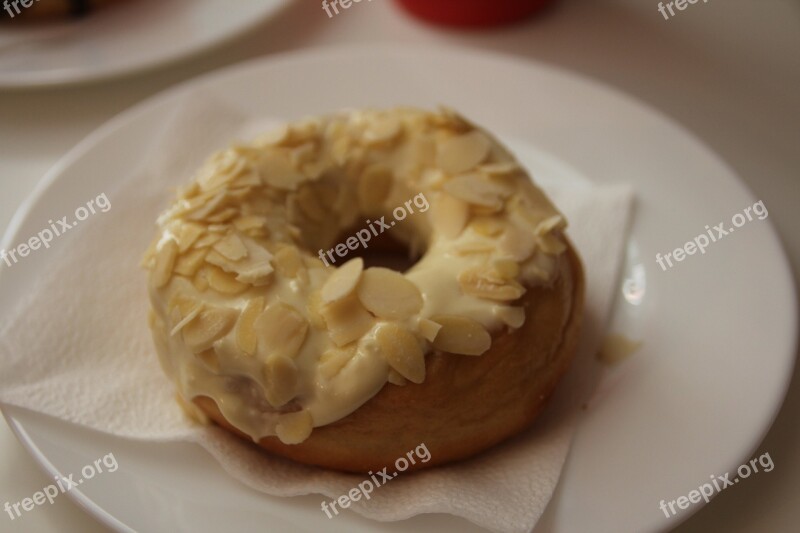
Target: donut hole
<point>386,250</point>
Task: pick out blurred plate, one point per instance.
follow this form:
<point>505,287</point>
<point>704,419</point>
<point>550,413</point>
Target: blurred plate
<point>718,329</point>
<point>124,38</point>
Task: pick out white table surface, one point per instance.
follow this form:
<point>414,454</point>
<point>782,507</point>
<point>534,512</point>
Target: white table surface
<point>727,70</point>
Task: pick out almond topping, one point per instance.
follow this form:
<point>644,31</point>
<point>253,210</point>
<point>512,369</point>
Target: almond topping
<point>275,137</point>
<point>500,169</point>
<point>483,283</point>
<point>388,294</point>
<point>288,262</point>
<point>517,243</point>
<point>343,281</point>
<point>256,268</point>
<point>211,324</point>
<point>280,380</point>
<point>281,330</point>
<point>277,171</point>
<point>488,226</point>
<point>207,240</point>
<point>165,262</point>
<point>551,244</point>
<point>250,222</point>
<point>188,264</point>
<point>402,351</point>
<point>347,320</point>
<point>231,247</point>
<point>450,215</point>
<point>382,130</point>
<point>461,335</point>
<point>477,190</point>
<point>555,222</point>
<point>185,320</point>
<point>246,337</point>
<point>463,152</point>
<point>334,360</point>
<point>222,282</point>
<point>294,428</point>
<point>209,359</point>
<point>188,235</point>
<point>429,329</point>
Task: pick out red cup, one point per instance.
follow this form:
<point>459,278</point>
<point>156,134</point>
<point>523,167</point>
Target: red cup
<point>473,13</point>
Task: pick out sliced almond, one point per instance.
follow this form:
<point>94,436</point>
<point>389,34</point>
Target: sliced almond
<point>452,119</point>
<point>165,263</point>
<point>429,329</point>
<point>207,240</point>
<point>374,187</point>
<point>231,247</point>
<point>246,336</point>
<point>551,244</point>
<point>277,171</point>
<point>222,282</point>
<point>224,215</point>
<point>280,380</point>
<point>343,281</point>
<point>450,215</point>
<point>191,315</point>
<point>334,360</point>
<point>275,137</point>
<point>461,335</point>
<point>188,264</point>
<point>539,268</point>
<point>401,350</point>
<point>250,222</point>
<point>200,282</point>
<point>210,359</point>
<point>500,169</point>
<point>475,246</point>
<point>281,330</point>
<point>505,268</point>
<point>211,324</point>
<point>303,154</point>
<point>517,243</point>
<point>256,268</point>
<point>488,226</point>
<point>477,190</point>
<point>347,320</point>
<point>482,283</point>
<point>555,222</point>
<point>513,317</point>
<point>389,294</point>
<point>294,428</point>
<point>288,262</point>
<point>463,152</point>
<point>188,235</point>
<point>382,130</point>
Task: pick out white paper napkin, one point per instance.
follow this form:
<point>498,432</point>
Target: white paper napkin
<point>78,348</point>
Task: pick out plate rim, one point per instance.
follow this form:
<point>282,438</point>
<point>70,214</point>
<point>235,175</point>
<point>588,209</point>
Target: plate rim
<point>330,53</point>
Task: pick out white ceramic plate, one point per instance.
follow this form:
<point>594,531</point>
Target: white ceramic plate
<point>718,329</point>
<point>125,38</point>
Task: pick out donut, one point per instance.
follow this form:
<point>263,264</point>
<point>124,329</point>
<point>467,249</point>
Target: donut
<point>50,9</point>
<point>274,314</point>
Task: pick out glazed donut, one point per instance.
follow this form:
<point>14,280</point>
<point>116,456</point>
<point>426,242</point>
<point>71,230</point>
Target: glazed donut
<point>49,9</point>
<point>270,323</point>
